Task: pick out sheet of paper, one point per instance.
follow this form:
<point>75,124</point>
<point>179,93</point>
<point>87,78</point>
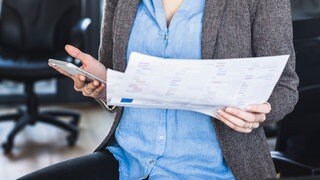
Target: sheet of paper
<point>199,85</point>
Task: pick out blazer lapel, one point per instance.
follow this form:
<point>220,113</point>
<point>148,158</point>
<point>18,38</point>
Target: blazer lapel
<point>212,20</point>
<point>211,23</point>
<point>125,16</point>
<point>123,22</point>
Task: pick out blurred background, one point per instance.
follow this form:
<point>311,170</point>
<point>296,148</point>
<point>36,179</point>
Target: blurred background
<point>31,31</point>
<point>44,121</point>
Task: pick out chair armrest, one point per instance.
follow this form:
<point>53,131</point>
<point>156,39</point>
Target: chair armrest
<point>288,167</point>
<point>316,171</point>
<point>78,32</point>
<point>271,130</point>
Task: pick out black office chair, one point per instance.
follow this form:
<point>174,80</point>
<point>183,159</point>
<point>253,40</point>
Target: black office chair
<point>306,37</point>
<point>307,47</point>
<point>298,148</point>
<point>31,31</point>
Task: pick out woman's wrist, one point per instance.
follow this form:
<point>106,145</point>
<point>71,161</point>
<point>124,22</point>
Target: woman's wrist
<point>103,97</point>
<point>104,103</point>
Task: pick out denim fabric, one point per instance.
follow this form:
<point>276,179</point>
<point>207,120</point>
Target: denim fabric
<point>163,143</point>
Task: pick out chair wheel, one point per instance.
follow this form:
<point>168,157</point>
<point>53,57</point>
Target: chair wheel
<point>72,139</point>
<point>7,147</point>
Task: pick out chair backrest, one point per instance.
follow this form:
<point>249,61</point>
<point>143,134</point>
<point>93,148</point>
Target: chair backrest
<point>306,29</point>
<point>299,132</point>
<point>307,45</point>
<point>306,36</point>
<point>37,26</point>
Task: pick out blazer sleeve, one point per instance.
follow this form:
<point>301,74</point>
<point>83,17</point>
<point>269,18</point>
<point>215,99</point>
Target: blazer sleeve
<point>106,38</point>
<point>272,35</point>
<point>106,42</point>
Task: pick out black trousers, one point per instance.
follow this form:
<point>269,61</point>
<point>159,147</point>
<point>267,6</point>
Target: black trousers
<point>95,166</point>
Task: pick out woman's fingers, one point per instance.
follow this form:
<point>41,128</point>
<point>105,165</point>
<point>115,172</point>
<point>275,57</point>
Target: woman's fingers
<point>91,87</point>
<point>94,91</point>
<point>79,82</point>
<point>99,92</point>
<point>247,116</point>
<point>233,126</point>
<point>238,121</point>
<point>264,108</point>
<point>76,53</point>
<point>244,121</point>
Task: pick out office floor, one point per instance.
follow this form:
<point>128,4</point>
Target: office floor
<point>42,145</point>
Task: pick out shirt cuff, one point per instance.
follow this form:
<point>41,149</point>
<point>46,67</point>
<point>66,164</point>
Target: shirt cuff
<point>103,103</point>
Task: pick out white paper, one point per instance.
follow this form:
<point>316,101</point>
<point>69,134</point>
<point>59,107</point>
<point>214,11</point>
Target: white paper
<point>198,85</point>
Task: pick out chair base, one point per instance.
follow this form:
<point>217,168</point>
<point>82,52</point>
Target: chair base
<point>22,119</point>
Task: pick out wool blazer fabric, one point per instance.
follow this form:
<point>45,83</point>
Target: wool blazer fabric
<point>231,29</point>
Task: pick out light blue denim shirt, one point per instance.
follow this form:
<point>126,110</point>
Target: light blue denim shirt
<point>162,143</point>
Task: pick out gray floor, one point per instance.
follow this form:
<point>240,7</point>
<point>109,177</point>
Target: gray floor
<point>43,145</point>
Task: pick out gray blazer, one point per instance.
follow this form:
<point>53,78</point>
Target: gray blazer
<point>231,29</point>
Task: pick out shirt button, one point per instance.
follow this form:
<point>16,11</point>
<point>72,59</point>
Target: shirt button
<point>161,138</point>
<point>151,161</point>
<point>165,37</point>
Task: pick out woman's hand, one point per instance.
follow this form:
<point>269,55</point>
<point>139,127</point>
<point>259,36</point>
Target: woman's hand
<point>93,89</point>
<point>244,121</point>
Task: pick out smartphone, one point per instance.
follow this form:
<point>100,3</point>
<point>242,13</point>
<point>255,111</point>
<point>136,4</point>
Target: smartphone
<point>74,70</point>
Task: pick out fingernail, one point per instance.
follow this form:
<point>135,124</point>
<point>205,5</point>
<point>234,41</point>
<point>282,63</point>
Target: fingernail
<point>219,111</point>
<point>229,110</point>
<point>82,78</point>
<point>248,108</point>
<point>71,49</point>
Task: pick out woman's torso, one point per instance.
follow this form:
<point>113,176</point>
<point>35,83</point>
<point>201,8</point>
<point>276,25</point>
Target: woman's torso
<point>244,29</point>
<point>160,142</point>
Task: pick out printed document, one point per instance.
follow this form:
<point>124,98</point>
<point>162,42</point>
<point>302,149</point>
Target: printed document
<point>198,85</point>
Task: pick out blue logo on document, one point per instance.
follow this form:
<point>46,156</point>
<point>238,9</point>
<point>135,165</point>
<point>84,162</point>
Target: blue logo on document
<point>126,100</point>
